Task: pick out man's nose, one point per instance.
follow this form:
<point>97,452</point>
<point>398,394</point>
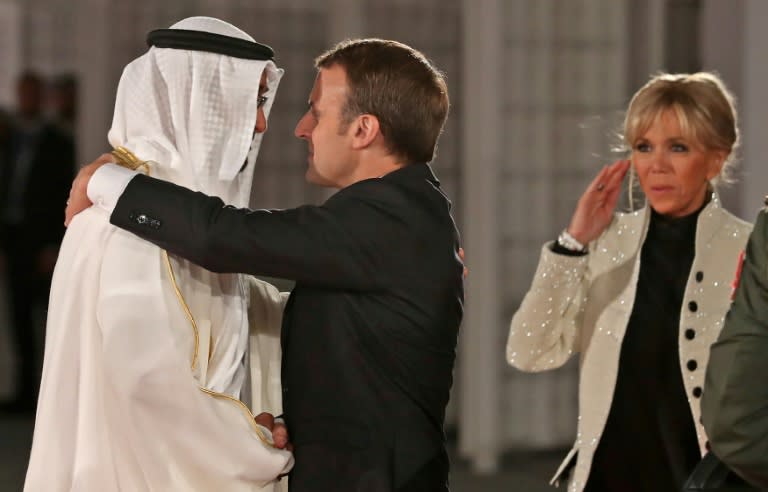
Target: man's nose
<point>302,128</point>
<point>261,122</point>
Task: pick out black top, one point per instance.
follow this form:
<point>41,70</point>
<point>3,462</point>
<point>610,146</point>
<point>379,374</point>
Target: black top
<point>369,332</point>
<point>649,443</point>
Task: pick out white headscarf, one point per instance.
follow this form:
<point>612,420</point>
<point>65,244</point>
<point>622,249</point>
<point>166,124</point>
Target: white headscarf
<point>193,113</point>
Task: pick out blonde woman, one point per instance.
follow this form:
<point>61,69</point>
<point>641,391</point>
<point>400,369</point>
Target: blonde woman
<point>641,295</point>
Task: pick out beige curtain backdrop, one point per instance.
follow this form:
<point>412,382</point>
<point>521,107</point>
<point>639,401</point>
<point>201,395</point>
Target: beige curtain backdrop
<point>566,69</point>
<point>552,93</point>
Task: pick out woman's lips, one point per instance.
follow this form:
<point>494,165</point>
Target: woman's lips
<point>661,189</point>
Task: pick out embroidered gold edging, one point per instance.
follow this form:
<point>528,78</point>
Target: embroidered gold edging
<point>185,307</point>
<point>191,318</point>
<point>126,158</point>
<point>245,409</point>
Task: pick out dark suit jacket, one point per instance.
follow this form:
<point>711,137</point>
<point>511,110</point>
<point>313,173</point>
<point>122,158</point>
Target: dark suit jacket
<point>370,330</point>
<point>47,186</point>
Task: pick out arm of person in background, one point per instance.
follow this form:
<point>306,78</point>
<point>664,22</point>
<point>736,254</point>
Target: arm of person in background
<point>545,330</point>
<point>734,404</point>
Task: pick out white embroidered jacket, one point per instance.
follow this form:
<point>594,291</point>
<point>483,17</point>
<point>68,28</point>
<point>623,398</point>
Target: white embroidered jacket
<point>583,304</point>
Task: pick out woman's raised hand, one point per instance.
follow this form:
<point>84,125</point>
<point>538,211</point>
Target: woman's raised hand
<point>595,208</point>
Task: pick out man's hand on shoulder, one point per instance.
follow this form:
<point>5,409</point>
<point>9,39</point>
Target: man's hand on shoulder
<point>78,194</point>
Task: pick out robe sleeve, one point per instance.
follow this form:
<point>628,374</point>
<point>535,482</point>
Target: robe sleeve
<point>265,317</point>
<point>181,434</point>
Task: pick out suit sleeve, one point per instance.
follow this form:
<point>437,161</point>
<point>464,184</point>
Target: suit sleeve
<point>735,400</point>
<point>339,244</point>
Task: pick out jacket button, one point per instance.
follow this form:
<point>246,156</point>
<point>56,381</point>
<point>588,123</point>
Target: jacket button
<point>692,365</point>
<point>693,306</point>
<point>697,391</point>
<point>699,276</point>
<point>690,333</point>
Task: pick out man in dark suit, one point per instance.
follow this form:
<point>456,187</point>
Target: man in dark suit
<point>370,330</point>
<point>37,163</point>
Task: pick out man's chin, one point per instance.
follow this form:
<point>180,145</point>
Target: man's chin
<point>313,178</point>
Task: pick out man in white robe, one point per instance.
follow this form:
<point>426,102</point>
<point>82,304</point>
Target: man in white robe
<point>145,355</point>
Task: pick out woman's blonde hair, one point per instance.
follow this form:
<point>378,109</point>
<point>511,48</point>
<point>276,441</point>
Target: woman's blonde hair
<point>704,108</point>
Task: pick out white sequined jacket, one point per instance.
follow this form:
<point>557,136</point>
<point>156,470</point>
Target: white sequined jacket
<point>583,303</point>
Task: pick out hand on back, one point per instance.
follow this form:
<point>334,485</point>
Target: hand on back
<point>78,195</point>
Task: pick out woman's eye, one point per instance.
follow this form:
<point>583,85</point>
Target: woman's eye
<point>642,147</point>
<point>678,147</point>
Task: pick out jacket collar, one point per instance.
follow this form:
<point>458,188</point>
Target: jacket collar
<point>411,172</point>
<point>707,224</point>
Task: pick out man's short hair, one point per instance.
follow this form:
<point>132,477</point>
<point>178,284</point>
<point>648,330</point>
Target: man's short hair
<point>399,86</point>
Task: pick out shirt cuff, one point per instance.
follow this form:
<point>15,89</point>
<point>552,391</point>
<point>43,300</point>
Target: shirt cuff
<point>107,184</point>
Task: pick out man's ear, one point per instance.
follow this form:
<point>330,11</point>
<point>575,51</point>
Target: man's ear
<point>366,130</point>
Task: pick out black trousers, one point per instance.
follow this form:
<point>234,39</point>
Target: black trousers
<point>430,478</point>
<point>320,469</point>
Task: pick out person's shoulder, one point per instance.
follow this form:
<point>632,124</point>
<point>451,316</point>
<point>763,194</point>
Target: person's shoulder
<point>405,191</point>
<point>761,221</point>
<point>733,225</point>
<point>368,190</point>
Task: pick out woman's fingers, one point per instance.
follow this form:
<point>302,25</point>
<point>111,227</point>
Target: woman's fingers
<point>595,208</point>
<point>598,184</point>
<point>610,180</point>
